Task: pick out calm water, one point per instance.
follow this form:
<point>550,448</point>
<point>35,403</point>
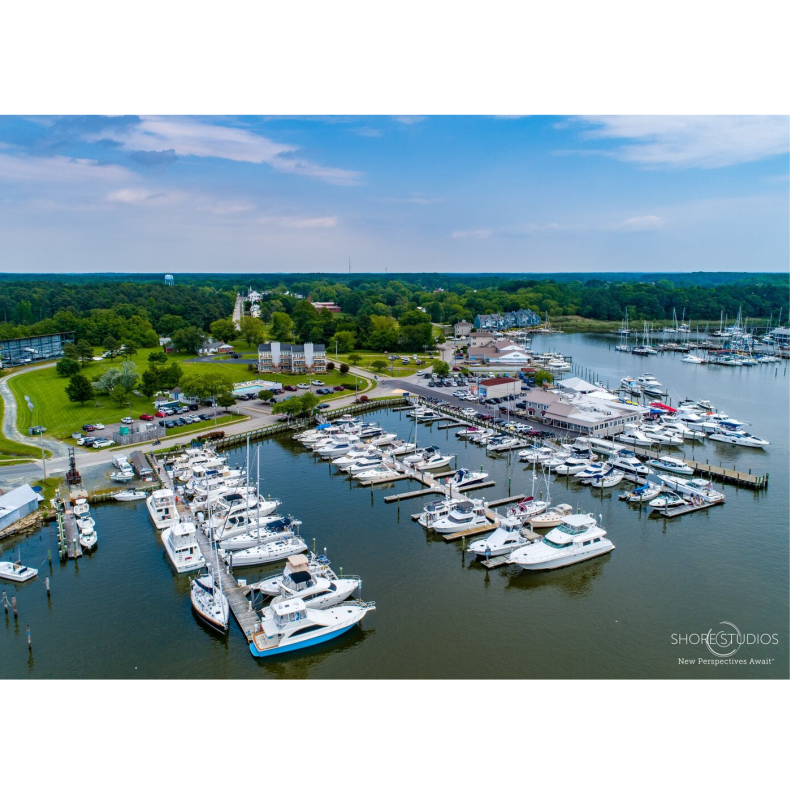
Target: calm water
<point>122,613</point>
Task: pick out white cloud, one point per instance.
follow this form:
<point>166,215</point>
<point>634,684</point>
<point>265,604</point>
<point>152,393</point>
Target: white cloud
<point>300,222</point>
<point>189,137</point>
<point>409,119</point>
<point>145,197</point>
<point>59,169</point>
<point>368,132</point>
<point>692,141</point>
<point>478,233</point>
<point>645,223</point>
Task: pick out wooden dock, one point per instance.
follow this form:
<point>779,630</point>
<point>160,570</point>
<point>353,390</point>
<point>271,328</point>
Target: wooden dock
<point>450,537</point>
<point>681,510</point>
<point>451,423</point>
<point>505,501</point>
<point>68,544</point>
<point>497,561</point>
<point>706,469</point>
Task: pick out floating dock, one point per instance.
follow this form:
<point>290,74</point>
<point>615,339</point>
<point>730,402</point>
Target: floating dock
<point>450,537</point>
<point>680,510</point>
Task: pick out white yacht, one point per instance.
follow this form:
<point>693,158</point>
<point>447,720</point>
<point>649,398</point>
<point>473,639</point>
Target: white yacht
<point>551,517</point>
<point>180,542</point>
<point>377,473</point>
<point>607,480</point>
<point>291,625</point>
<point>437,461</point>
<point>692,487</point>
<point>129,495</point>
<point>649,385</point>
<point>536,455</point>
<point>319,566</point>
<point>508,536</point>
<point>382,439</point>
<point>87,535</point>
<point>632,435</point>
<point>400,448</point>
<point>266,532</point>
<point>266,552</point>
<point>316,591</point>
<point>626,461</point>
<point>667,500</point>
<point>498,444</point>
<point>14,571</point>
<point>738,438</point>
<point>684,431</point>
<point>423,414</point>
<point>162,508</point>
<point>462,517</point>
<point>592,471</point>
<point>209,602</point>
<point>605,447</point>
<point>670,464</point>
<point>124,476</point>
<point>465,478</point>
<point>362,464</point>
<point>573,465</point>
<point>662,436</point>
<point>692,359</point>
<point>577,538</point>
<point>437,509</point>
<point>642,494</point>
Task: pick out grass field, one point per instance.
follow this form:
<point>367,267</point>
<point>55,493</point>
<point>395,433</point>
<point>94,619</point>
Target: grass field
<point>397,371</point>
<point>15,453</point>
<point>62,418</point>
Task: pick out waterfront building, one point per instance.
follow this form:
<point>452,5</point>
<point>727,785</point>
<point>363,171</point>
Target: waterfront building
<point>523,318</point>
<point>502,352</point>
<point>17,504</point>
<point>498,387</point>
<point>29,349</point>
<point>781,336</point>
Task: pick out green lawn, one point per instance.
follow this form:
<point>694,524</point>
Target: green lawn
<point>13,452</point>
<point>399,370</point>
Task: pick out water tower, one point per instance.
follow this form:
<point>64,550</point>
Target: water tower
<point>169,280</point>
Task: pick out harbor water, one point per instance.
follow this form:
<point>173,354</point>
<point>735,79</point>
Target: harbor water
<point>121,612</point>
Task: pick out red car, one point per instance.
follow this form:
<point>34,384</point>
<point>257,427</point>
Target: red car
<point>290,388</point>
<point>146,417</point>
<point>338,388</point>
<point>159,414</point>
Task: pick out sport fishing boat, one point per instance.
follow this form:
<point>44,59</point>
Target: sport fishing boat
<point>87,535</point>
<point>319,566</point>
<point>437,461</point>
<point>498,444</point>
<point>592,471</point>
<point>573,465</point>
<point>239,524</point>
<point>462,517</point>
<point>692,359</point>
<point>266,552</point>
<point>437,509</point>
<point>661,436</point>
<point>382,439</point>
<point>507,537</point>
<point>692,487</point>
<point>399,448</point>
<point>123,476</point>
<point>535,455</point>
<point>358,457</point>
<point>291,625</point>
<point>162,508</point>
<point>316,591</point>
<point>421,455</point>
<point>209,602</point>
<point>670,464</point>
<point>551,517</point>
<point>180,542</point>
<point>632,435</point>
<point>14,571</point>
<point>649,385</point>
<point>577,538</point>
<point>423,414</point>
<point>465,478</point>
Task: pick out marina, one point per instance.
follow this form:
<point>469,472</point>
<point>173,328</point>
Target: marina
<point>382,541</point>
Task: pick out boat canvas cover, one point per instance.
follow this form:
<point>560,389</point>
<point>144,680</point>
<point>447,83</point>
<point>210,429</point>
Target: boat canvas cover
<point>663,407</point>
<point>578,520</point>
<point>298,562</point>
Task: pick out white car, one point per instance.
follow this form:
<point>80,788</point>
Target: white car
<point>98,426</point>
<point>469,412</point>
<point>125,421</point>
<point>103,443</point>
<point>317,383</point>
<point>303,386</point>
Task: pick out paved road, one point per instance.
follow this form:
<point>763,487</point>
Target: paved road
<point>10,415</point>
<point>237,311</point>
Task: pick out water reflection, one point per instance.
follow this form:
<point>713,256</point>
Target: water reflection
<point>575,580</point>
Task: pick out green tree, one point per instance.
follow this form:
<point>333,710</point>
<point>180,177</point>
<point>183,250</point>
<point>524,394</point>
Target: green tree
<point>355,358</point>
<point>111,344</point>
<point>266,395</point>
<point>119,394</point>
<point>542,376</point>
<point>380,364</point>
<point>441,368</point>
<point>130,348</point>
<point>223,330</point>
<point>282,326</point>
<point>79,389</point>
<point>158,357</point>
<point>308,402</point>
<point>254,331</point>
<point>226,399</point>
<point>67,367</point>
<point>343,342</point>
<point>292,406</point>
<point>170,323</point>
<point>344,368</point>
<point>84,350</point>
<point>385,333</point>
<point>71,351</point>
<point>189,339</point>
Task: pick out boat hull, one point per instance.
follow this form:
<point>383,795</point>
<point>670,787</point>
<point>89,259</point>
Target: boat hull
<point>566,561</point>
<point>301,645</point>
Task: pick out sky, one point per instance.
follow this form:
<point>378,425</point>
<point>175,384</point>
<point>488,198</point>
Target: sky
<point>398,194</point>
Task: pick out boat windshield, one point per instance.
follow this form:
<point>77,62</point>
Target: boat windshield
<point>570,529</point>
<point>555,544</point>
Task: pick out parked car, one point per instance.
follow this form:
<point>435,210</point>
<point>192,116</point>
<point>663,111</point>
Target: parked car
<point>146,417</point>
<point>320,391</point>
<point>159,413</point>
<point>324,405</point>
<point>87,428</point>
<point>303,386</point>
<point>317,383</point>
<point>193,407</point>
<point>127,420</point>
<point>338,388</point>
<point>102,443</point>
<point>206,417</point>
<point>290,388</point>
<point>88,441</point>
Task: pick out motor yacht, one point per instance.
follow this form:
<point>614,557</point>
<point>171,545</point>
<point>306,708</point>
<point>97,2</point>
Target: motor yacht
<point>573,465</point>
<point>684,431</point>
<point>209,602</point>
<point>508,536</point>
<point>551,517</point>
<point>399,448</point>
<point>316,591</point>
<point>633,435</point>
<point>649,385</point>
<point>738,438</point>
<point>438,509</point>
<point>291,625</point>
<point>239,500</point>
<point>162,508</point>
<point>642,494</point>
<point>661,436</point>
<point>437,461</point>
<point>267,532</point>
<point>122,477</point>
<point>466,433</point>
<point>499,444</point>
<point>464,478</point>
<point>423,414</point>
<point>462,517</point>
<point>535,455</point>
<point>266,552</point>
<point>354,456</point>
<point>692,359</point>
<point>238,524</point>
<point>670,464</point>
<point>319,566</point>
<point>667,500</point>
<point>692,487</point>
<point>577,538</point>
<point>180,542</point>
<point>382,439</point>
<point>421,455</point>
<point>605,447</point>
<point>625,461</point>
<point>377,473</point>
<point>129,495</point>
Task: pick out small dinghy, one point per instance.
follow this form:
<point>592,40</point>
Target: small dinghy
<point>129,495</point>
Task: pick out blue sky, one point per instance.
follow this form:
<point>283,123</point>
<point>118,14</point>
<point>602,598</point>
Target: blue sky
<point>405,193</point>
